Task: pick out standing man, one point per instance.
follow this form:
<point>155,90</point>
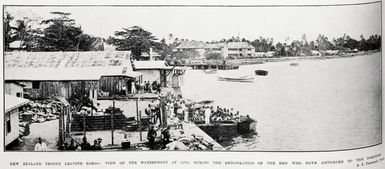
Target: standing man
<point>40,146</point>
<point>151,137</point>
<point>207,115</point>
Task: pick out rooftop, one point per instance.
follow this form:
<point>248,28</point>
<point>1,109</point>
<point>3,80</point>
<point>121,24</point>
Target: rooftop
<point>12,102</point>
<point>239,45</point>
<point>69,65</point>
<point>150,64</point>
<point>191,45</point>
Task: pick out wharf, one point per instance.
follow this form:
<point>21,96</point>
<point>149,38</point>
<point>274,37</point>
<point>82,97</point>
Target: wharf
<point>221,65</point>
<point>141,96</point>
<point>136,137</point>
<point>191,128</point>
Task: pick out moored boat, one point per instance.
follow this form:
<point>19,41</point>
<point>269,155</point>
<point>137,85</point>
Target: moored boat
<point>210,71</point>
<point>237,79</point>
<point>294,64</point>
<point>261,72</point>
<point>246,125</point>
<point>205,102</point>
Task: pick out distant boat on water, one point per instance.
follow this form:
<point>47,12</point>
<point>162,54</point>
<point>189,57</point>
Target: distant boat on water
<point>261,72</point>
<point>210,71</point>
<point>236,78</point>
<point>294,64</point>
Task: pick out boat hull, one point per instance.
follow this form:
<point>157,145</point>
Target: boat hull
<point>236,79</point>
<point>261,72</point>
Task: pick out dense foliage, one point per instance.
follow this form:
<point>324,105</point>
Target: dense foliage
<point>134,39</point>
<point>60,34</point>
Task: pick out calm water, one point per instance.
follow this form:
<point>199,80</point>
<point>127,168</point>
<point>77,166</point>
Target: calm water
<point>319,105</point>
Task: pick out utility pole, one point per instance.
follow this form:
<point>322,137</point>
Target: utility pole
<point>112,122</point>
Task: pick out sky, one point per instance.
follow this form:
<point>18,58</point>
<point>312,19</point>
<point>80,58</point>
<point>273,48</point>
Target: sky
<point>216,23</point>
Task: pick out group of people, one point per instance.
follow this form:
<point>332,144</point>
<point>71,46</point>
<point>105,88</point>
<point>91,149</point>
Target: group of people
<point>85,146</point>
<point>145,87</point>
<point>165,137</point>
<point>187,110</point>
<point>179,141</point>
<point>73,145</point>
<point>153,111</point>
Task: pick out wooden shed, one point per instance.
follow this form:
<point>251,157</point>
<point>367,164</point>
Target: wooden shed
<point>71,74</point>
<point>167,76</point>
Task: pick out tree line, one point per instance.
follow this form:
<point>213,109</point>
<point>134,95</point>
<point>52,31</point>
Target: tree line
<point>61,33</point>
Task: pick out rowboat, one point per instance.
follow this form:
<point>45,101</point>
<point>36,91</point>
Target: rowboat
<point>261,72</point>
<point>210,71</point>
<point>236,79</point>
<point>294,64</point>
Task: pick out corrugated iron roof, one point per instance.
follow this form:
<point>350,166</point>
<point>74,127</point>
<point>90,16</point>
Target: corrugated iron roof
<point>65,59</point>
<point>213,46</point>
<point>150,64</point>
<point>57,66</point>
<point>12,102</point>
<point>191,45</point>
<point>239,45</point>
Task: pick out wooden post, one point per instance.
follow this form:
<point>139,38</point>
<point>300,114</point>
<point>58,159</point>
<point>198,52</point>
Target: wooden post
<point>139,115</point>
<point>140,126</point>
<point>69,119</point>
<point>61,127</point>
<point>163,110</point>
<point>84,125</point>
<point>112,122</point>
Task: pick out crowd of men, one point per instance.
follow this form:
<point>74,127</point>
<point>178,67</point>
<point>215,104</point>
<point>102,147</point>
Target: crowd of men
<point>188,110</point>
<point>145,87</point>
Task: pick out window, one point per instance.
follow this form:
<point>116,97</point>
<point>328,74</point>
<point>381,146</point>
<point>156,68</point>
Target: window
<point>35,85</point>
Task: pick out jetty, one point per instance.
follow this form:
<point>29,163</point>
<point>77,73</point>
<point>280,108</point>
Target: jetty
<point>213,64</point>
<point>191,128</point>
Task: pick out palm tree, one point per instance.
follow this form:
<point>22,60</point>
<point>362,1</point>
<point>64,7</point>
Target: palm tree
<point>7,31</point>
<point>21,31</point>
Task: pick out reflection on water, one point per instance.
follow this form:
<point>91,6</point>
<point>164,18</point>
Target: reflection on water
<point>317,105</point>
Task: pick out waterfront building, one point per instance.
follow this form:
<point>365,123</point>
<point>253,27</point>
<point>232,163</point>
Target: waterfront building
<point>315,53</point>
<point>230,49</point>
<point>260,54</point>
<point>14,88</point>
<point>71,74</point>
<point>197,46</point>
<point>11,117</point>
<point>167,76</point>
<point>240,50</point>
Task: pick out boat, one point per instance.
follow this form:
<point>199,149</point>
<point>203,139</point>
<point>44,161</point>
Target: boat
<point>261,72</point>
<point>246,125</point>
<point>236,79</point>
<point>210,71</point>
<point>205,102</point>
<point>294,64</point>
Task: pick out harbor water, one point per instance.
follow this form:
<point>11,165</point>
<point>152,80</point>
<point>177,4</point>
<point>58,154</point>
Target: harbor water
<point>318,105</point>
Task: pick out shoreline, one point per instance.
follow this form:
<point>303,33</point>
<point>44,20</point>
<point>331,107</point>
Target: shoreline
<point>254,61</point>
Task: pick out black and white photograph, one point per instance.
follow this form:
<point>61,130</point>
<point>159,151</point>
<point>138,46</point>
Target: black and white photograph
<point>222,78</point>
